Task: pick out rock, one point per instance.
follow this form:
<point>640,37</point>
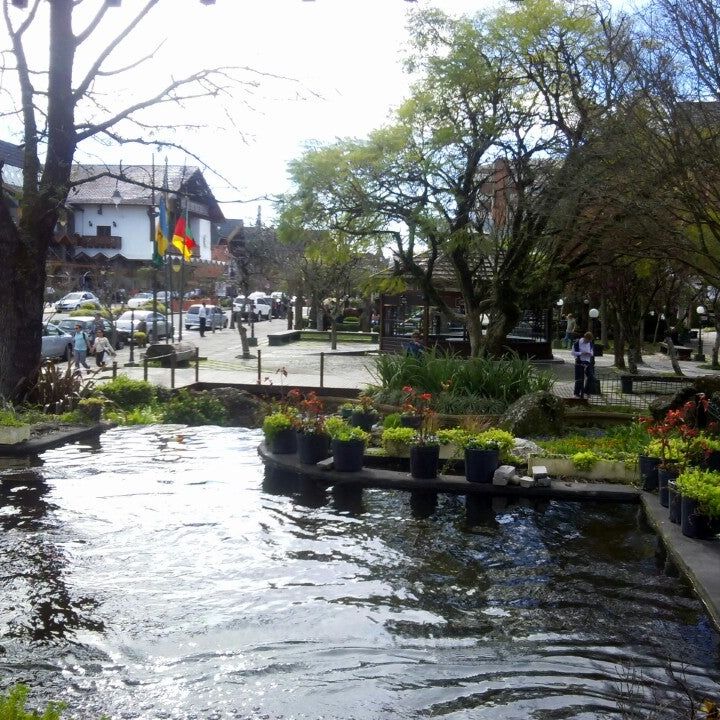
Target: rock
<point>539,471</point>
<point>525,448</point>
<point>707,384</point>
<point>538,413</point>
<point>503,475</point>
<point>244,409</point>
<point>527,482</point>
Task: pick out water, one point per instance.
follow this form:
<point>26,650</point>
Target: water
<point>160,574</point>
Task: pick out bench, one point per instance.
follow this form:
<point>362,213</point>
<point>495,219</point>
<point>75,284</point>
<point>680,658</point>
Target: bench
<point>627,381</point>
<point>683,352</point>
<point>283,337</point>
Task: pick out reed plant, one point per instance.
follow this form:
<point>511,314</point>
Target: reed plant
<point>458,380</point>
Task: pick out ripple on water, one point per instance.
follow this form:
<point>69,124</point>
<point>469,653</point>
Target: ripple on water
<point>160,573</point>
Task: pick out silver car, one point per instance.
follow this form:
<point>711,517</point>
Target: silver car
<point>214,317</point>
<point>56,343</point>
<point>74,300</point>
<point>143,321</point>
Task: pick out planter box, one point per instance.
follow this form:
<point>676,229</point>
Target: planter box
<point>611,470</point>
<point>10,435</point>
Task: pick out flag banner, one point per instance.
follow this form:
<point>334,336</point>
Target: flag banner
<point>180,239</point>
<point>162,234</point>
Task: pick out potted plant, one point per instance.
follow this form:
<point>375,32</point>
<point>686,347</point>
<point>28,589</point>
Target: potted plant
<point>348,444</point>
<point>706,452</point>
<point>346,410</point>
<point>411,407</point>
<point>396,441</point>
<point>364,415</point>
<point>482,458</point>
<point>313,442</point>
<point>280,433</point>
<point>700,504</point>
<point>425,448</point>
<point>92,408</point>
<point>12,429</point>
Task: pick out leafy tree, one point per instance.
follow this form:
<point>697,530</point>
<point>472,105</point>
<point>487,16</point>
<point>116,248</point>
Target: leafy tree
<point>61,106</point>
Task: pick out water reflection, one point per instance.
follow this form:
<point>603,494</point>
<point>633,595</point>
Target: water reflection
<point>165,574</point>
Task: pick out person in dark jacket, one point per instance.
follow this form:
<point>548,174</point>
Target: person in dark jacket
<point>583,350</point>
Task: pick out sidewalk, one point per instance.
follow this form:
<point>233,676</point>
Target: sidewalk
<point>350,366</point>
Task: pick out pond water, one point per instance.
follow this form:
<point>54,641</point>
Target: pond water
<point>160,574</point>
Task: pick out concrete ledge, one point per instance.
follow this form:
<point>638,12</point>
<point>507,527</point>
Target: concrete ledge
<point>699,560</point>
<point>453,484</point>
<point>52,439</point>
<point>612,470</point>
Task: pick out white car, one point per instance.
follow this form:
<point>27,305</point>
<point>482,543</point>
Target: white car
<point>139,300</point>
<point>74,300</point>
<point>214,317</point>
<point>257,309</point>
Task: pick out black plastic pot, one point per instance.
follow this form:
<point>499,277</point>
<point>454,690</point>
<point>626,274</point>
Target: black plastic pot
<point>674,503</point>
<point>648,472</point>
<point>284,442</point>
<point>411,421</point>
<point>348,455</point>
<point>480,465</point>
<point>664,476</point>
<point>312,447</point>
<point>694,524</point>
<point>363,420</point>
<point>424,461</point>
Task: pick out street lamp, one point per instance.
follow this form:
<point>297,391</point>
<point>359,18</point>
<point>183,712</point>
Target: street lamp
<point>700,356</point>
<point>132,362</point>
<point>594,314</point>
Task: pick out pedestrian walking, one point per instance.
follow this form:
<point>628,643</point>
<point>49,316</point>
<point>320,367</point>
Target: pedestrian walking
<point>202,317</point>
<point>101,346</point>
<point>583,350</point>
<point>570,325</point>
<point>415,347</point>
<point>81,345</point>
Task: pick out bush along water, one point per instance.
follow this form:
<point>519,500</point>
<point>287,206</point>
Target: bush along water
<point>458,385</point>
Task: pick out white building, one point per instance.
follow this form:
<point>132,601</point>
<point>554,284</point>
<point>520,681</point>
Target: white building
<point>111,213</point>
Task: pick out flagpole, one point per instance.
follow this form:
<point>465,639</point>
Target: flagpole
<point>182,274</point>
<point>153,237</point>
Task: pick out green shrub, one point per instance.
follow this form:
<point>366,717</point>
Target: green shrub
<point>392,420</point>
<point>453,436</point>
<point>127,393</point>
<point>398,435</point>
<point>12,706</point>
<point>9,418</point>
<point>189,408</point>
<point>275,423</point>
<point>142,415</point>
<point>338,429</point>
<point>703,486</point>
<point>584,460</point>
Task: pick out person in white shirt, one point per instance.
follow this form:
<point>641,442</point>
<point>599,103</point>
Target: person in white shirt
<point>202,316</point>
<point>101,345</point>
<point>583,350</point>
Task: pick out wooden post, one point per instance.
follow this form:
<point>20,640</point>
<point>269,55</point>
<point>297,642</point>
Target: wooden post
<point>197,364</point>
<point>145,372</point>
<point>172,371</point>
<point>322,369</point>
<point>259,378</point>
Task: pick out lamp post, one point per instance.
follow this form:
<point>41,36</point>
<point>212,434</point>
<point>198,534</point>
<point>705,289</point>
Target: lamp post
<point>594,314</point>
<point>700,356</point>
<point>559,305</point>
<point>132,362</point>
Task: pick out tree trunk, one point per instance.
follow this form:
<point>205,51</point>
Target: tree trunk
<point>619,348</point>
<point>243,340</point>
<point>716,345</point>
<point>333,333</point>
<point>672,354</point>
<point>474,329</point>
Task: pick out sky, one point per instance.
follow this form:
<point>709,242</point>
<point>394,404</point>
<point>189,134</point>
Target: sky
<point>324,69</point>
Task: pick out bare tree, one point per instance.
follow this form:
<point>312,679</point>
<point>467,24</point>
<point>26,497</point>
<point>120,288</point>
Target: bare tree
<point>61,106</point>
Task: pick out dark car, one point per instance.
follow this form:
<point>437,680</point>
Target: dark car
<point>122,337</point>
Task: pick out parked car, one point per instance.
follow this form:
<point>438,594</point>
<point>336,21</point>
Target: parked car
<point>122,337</point>
<point>74,300</point>
<point>137,301</point>
<point>56,343</point>
<point>214,317</point>
<point>142,321</point>
<point>257,309</point>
